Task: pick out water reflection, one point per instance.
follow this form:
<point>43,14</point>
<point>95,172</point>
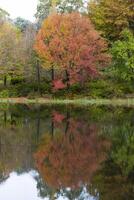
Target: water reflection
<point>71,154</point>
<point>19,187</point>
<point>24,187</point>
<point>66,153</point>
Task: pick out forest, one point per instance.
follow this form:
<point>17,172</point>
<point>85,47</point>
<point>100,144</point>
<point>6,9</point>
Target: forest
<point>74,49</point>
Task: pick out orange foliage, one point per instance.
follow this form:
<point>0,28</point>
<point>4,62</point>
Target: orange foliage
<point>69,42</point>
<point>70,159</point>
<point>57,117</point>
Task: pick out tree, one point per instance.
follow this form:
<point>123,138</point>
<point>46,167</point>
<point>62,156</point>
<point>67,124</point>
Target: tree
<point>22,24</point>
<point>4,15</point>
<point>44,7</point>
<point>68,6</point>
<point>26,51</point>
<point>70,44</point>
<point>123,59</point>
<point>43,10</point>
<point>9,51</point>
<point>112,16</point>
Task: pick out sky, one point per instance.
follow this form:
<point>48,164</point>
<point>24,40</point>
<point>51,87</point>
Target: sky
<point>20,8</point>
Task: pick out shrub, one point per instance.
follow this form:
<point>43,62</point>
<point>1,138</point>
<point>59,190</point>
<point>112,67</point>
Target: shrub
<point>4,93</point>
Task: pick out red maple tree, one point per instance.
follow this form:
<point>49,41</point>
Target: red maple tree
<point>69,44</point>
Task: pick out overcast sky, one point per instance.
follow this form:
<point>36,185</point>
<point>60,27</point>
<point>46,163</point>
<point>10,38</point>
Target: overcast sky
<point>20,8</point>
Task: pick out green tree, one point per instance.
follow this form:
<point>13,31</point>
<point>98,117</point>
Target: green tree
<point>21,23</point>
<point>123,56</point>
<point>71,6</point>
<point>44,7</point>
<point>112,16</point>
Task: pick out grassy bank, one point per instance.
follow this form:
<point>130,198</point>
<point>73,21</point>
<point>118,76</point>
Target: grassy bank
<point>81,102</point>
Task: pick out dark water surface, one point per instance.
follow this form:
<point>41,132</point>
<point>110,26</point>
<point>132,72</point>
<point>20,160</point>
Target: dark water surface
<point>66,153</point>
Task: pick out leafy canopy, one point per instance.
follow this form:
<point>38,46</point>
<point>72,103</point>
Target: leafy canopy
<point>123,56</point>
<point>22,24</point>
<point>45,7</point>
<point>112,16</point>
<point>69,42</point>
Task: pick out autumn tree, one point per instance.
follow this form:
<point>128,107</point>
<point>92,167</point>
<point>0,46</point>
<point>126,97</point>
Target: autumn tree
<point>9,51</point>
<point>112,16</point>
<point>69,43</point>
<point>27,54</point>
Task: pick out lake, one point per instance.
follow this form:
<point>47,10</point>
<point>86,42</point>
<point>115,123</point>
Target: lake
<point>66,152</point>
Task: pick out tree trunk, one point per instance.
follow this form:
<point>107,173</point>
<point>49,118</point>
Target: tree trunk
<point>52,74</point>
<point>5,80</point>
<point>52,128</point>
<point>67,122</point>
<point>67,79</point>
<point>81,78</point>
<point>38,75</point>
<point>52,77</point>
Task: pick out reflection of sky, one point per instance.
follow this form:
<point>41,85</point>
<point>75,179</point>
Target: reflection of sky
<point>23,187</point>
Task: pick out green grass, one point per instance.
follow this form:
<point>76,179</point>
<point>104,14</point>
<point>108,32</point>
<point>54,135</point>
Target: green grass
<point>80,102</point>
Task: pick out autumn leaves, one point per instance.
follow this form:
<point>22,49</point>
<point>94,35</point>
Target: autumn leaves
<point>69,45</point>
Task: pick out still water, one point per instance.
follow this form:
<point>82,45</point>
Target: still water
<point>66,153</point>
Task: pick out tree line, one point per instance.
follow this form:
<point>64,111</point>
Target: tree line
<point>74,47</point>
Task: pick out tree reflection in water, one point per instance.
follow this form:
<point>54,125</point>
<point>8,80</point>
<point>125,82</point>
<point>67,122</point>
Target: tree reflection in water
<point>77,154</point>
<point>69,157</point>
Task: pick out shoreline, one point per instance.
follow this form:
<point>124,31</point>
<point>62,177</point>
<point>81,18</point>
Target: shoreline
<point>80,102</point>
